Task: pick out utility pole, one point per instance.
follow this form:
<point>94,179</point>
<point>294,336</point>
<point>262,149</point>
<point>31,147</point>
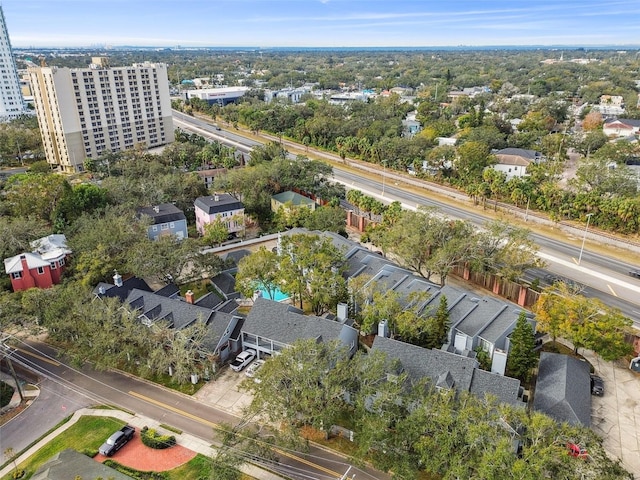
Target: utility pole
<point>584,237</point>
<point>6,351</point>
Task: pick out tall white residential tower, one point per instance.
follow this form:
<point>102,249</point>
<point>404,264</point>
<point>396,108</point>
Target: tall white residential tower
<point>11,102</point>
<point>85,112</point>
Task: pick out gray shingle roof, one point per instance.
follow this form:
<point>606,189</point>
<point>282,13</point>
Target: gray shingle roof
<point>505,389</point>
<point>563,389</point>
<point>505,321</point>
<point>169,290</point>
<point>225,283</point>
<point>448,370</point>
<point>156,307</point>
<point>627,121</point>
<point>109,290</point>
<point>209,300</point>
<point>285,324</point>
<point>230,306</point>
<point>166,212</point>
<point>520,152</point>
<point>222,202</point>
<point>70,464</point>
<point>216,329</point>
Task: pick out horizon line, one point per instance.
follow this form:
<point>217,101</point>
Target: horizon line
<point>351,47</point>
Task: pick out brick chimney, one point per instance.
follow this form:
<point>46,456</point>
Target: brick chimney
<point>189,297</point>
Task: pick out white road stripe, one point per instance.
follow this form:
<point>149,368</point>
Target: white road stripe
<point>587,271</point>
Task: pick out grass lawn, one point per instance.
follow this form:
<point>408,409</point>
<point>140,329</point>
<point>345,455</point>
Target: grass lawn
<point>87,434</point>
<point>199,288</point>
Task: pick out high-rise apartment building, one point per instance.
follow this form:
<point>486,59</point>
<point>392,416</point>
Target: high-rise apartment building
<point>11,102</point>
<point>85,112</point>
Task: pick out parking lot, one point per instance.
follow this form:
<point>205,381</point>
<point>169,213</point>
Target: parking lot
<point>616,415</point>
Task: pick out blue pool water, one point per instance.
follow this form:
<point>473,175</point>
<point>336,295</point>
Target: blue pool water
<point>278,296</point>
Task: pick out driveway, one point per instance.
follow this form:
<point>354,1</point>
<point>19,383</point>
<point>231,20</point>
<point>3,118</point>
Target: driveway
<point>137,455</point>
<point>616,415</point>
<point>224,392</point>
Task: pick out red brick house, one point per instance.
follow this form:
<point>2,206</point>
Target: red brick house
<point>41,268</point>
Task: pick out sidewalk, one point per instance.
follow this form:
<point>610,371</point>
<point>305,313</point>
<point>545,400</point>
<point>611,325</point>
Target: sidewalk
<point>188,441</point>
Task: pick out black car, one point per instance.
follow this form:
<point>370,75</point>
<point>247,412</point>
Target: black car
<point>634,273</point>
<point>597,385</point>
<point>116,441</point>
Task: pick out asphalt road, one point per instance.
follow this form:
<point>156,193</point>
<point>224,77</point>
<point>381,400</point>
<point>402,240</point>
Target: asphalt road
<point>602,277</point>
<point>70,388</point>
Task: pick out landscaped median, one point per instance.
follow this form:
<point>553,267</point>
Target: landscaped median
<point>87,429</point>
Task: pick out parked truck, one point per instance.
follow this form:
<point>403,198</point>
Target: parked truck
<point>116,441</point>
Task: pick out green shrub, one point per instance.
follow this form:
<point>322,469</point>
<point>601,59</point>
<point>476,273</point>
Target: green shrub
<point>132,472</point>
<point>6,392</point>
<point>153,439</point>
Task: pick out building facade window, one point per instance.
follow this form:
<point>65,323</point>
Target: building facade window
<point>16,275</point>
<point>40,270</point>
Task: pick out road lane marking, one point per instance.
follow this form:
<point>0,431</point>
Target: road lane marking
<point>39,357</point>
<point>175,410</point>
<point>612,291</point>
<point>311,464</point>
<point>219,427</point>
<point>588,271</point>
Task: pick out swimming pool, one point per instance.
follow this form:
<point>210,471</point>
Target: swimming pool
<point>277,295</point>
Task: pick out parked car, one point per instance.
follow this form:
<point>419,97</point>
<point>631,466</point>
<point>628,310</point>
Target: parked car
<point>116,441</point>
<point>597,385</point>
<point>253,369</point>
<point>243,359</point>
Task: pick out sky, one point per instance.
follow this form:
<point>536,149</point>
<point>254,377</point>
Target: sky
<point>321,23</point>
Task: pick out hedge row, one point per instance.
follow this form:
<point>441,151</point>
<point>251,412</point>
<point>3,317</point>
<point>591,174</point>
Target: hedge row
<point>153,439</point>
<point>138,474</point>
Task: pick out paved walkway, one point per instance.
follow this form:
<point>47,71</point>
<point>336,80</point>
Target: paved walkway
<point>185,440</point>
<point>136,454</point>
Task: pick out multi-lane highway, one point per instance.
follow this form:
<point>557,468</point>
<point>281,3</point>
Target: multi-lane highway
<point>602,276</point>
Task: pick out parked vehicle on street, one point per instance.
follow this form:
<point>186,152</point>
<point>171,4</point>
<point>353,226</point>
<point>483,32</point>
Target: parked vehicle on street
<point>116,441</point>
<point>243,359</point>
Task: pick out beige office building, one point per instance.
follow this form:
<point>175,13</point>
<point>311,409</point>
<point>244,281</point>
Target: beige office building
<point>85,112</point>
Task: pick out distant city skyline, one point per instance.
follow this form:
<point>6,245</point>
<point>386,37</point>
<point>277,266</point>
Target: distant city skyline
<point>321,23</point>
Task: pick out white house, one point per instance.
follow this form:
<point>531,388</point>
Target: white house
<point>513,162</point>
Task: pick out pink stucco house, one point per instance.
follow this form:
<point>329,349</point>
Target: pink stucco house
<point>223,207</point>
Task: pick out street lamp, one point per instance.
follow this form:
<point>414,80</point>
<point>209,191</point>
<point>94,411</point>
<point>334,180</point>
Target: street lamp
<point>384,165</point>
<point>584,237</point>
